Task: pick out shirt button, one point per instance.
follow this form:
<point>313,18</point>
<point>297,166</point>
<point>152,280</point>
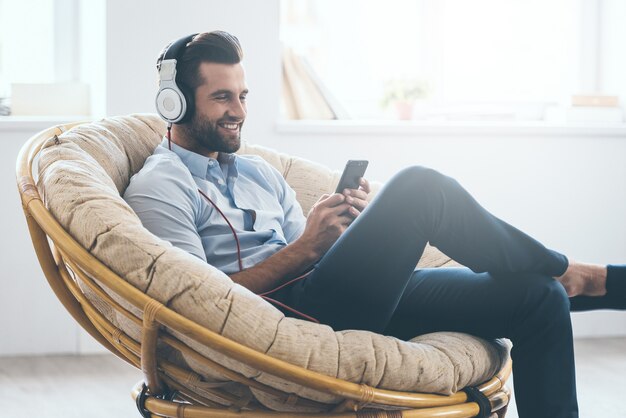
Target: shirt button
<point>220,182</point>
<point>210,163</point>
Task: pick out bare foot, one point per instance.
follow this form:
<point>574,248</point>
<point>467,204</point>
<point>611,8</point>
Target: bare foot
<point>582,279</point>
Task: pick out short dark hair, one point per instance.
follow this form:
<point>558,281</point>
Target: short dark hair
<point>217,46</point>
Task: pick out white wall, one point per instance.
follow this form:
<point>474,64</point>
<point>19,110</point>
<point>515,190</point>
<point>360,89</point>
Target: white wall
<point>567,190</point>
<point>32,320</point>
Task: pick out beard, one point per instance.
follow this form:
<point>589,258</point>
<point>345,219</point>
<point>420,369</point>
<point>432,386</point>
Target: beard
<point>207,136</point>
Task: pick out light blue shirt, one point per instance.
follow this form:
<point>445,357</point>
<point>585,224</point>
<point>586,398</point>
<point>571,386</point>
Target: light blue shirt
<point>253,195</point>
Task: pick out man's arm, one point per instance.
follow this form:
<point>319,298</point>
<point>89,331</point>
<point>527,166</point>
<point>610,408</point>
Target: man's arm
<point>164,197</point>
<point>327,220</point>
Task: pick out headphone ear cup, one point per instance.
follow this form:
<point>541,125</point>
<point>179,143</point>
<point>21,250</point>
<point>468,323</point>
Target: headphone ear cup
<point>169,103</point>
<point>188,96</point>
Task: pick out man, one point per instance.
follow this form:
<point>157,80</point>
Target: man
<point>238,214</point>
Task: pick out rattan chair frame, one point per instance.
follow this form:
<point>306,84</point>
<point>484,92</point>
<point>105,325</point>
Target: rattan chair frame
<point>176,392</point>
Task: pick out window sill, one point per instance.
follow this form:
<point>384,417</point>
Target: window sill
<point>36,123</point>
<point>482,128</point>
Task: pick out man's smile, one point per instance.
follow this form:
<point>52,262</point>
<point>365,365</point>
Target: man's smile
<point>229,126</point>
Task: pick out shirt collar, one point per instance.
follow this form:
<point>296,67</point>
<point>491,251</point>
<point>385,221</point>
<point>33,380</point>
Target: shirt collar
<point>198,164</point>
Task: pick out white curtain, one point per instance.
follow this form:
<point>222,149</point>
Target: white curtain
<point>303,94</point>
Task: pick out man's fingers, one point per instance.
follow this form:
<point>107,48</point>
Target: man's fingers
<point>323,209</point>
<point>356,198</point>
<point>345,220</point>
<point>359,194</point>
<point>322,199</point>
<point>331,200</point>
<point>339,209</point>
<point>365,185</point>
<point>354,212</point>
<point>357,203</point>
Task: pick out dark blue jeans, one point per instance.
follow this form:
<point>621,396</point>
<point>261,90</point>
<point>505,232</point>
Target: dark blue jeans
<point>368,281</point>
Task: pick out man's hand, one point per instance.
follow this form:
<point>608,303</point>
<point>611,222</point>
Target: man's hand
<point>357,199</point>
<point>328,219</point>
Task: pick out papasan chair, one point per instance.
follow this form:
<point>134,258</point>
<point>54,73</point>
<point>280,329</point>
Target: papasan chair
<point>207,346</point>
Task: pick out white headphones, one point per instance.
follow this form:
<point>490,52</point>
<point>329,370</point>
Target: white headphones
<point>174,103</point>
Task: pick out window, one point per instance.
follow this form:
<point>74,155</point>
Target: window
<point>44,53</point>
<point>26,49</point>
<point>462,60</point>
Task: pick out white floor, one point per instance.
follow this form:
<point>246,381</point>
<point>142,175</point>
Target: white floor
<point>601,378</point>
<point>99,386</point>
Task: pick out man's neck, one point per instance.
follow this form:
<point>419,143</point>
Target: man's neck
<point>181,137</point>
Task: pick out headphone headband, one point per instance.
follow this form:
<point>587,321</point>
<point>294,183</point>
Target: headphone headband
<point>174,50</point>
<point>172,104</point>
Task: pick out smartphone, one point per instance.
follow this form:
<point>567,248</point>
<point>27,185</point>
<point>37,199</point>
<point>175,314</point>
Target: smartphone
<point>354,170</point>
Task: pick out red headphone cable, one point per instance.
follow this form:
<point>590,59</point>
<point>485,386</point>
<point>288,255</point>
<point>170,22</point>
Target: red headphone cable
<point>231,228</point>
<point>290,309</point>
<point>169,135</point>
<point>288,283</point>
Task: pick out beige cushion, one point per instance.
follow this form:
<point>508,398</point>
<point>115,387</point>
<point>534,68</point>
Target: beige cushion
<point>81,178</point>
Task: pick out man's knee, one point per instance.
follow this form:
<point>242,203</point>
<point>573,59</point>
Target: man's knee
<point>553,298</point>
<point>544,305</point>
<point>418,178</point>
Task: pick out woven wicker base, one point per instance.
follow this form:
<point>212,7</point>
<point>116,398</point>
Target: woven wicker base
<point>179,408</point>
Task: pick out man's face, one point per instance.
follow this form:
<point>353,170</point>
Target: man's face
<point>220,108</point>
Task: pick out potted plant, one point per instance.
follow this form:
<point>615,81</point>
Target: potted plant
<point>402,94</point>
